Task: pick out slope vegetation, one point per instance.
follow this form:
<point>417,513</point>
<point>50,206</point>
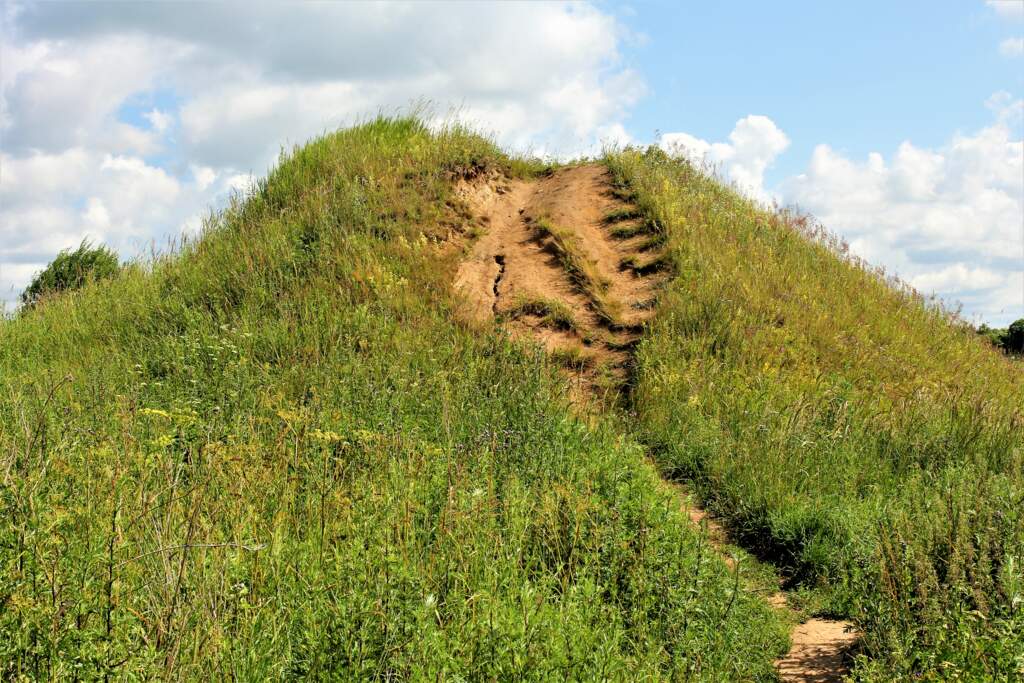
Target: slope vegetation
<point>601,266</point>
<point>277,454</point>
<point>840,425</point>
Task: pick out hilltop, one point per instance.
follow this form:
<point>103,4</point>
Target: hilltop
<point>416,408</point>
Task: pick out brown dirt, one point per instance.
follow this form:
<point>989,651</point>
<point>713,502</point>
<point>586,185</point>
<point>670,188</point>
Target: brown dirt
<point>818,652</point>
<point>513,261</point>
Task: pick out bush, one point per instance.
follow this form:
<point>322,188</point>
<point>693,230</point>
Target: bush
<point>1009,339</point>
<point>1013,341</point>
<point>70,270</point>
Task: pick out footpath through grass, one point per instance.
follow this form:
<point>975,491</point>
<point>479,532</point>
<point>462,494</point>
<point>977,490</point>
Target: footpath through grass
<point>273,454</point>
<point>844,427</point>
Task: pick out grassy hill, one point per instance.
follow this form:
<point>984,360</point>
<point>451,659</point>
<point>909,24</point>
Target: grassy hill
<point>845,428</point>
<point>275,455</point>
<point>279,452</point>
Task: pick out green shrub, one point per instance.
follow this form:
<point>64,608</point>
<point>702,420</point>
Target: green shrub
<point>1013,341</point>
<point>994,335</point>
<point>70,270</point>
<point>1009,339</point>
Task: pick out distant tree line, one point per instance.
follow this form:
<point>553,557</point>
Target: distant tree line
<point>1009,339</point>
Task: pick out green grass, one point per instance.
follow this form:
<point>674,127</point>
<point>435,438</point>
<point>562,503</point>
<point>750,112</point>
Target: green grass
<point>581,269</point>
<point>552,312</point>
<point>624,232</point>
<point>621,214</point>
<point>646,265</point>
<point>573,358</point>
<point>274,455</point>
<point>844,427</point>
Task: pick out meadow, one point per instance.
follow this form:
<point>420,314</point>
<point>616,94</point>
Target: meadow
<point>845,428</point>
<point>275,452</point>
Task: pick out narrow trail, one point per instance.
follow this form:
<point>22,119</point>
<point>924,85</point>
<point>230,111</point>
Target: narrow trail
<point>564,261</point>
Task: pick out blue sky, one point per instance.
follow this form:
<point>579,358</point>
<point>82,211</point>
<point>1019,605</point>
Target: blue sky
<point>897,124</point>
<point>863,76</point>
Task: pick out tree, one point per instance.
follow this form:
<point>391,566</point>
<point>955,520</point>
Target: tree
<point>996,336</point>
<point>70,270</point>
<point>1013,342</point>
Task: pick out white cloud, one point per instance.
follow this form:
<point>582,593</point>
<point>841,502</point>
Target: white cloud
<point>203,176</point>
<point>949,220</point>
<point>958,277</point>
<point>1010,9</point>
<point>159,120</point>
<point>59,95</point>
<point>1012,47</point>
<point>241,182</point>
<point>123,126</point>
<point>12,279</point>
<point>96,215</point>
<point>121,198</point>
<point>753,144</point>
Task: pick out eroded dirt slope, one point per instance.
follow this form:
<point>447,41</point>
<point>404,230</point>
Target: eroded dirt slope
<point>566,261</point>
<point>562,261</point>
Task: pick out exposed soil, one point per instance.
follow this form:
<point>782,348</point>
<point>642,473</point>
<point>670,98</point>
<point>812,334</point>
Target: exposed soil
<point>818,652</point>
<point>525,268</point>
<point>516,268</point>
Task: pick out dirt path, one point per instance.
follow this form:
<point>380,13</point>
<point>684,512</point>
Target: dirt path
<point>564,261</point>
<point>818,647</point>
<point>549,268</point>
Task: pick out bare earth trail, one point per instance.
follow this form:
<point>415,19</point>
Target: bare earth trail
<point>516,269</point>
<point>565,262</point>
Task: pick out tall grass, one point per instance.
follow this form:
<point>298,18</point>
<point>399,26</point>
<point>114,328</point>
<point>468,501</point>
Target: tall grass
<point>552,312</point>
<point>582,270</point>
<point>845,427</point>
<point>275,455</point>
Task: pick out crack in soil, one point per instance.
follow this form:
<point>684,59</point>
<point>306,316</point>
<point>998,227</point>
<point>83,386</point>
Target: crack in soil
<point>500,260</point>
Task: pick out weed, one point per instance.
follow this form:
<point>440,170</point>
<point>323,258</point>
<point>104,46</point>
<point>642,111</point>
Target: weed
<point>553,313</point>
<point>573,358</point>
<point>632,229</point>
<point>621,214</point>
<point>643,266</point>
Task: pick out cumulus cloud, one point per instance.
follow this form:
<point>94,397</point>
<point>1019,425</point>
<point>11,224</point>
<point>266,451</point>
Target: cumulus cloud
<point>948,220</point>
<point>122,122</point>
<point>1012,47</point>
<point>958,277</point>
<point>264,74</point>
<point>753,145</point>
<point>159,120</point>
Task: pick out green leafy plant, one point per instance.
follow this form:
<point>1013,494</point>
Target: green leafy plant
<point>70,271</point>
<point>1014,342</point>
